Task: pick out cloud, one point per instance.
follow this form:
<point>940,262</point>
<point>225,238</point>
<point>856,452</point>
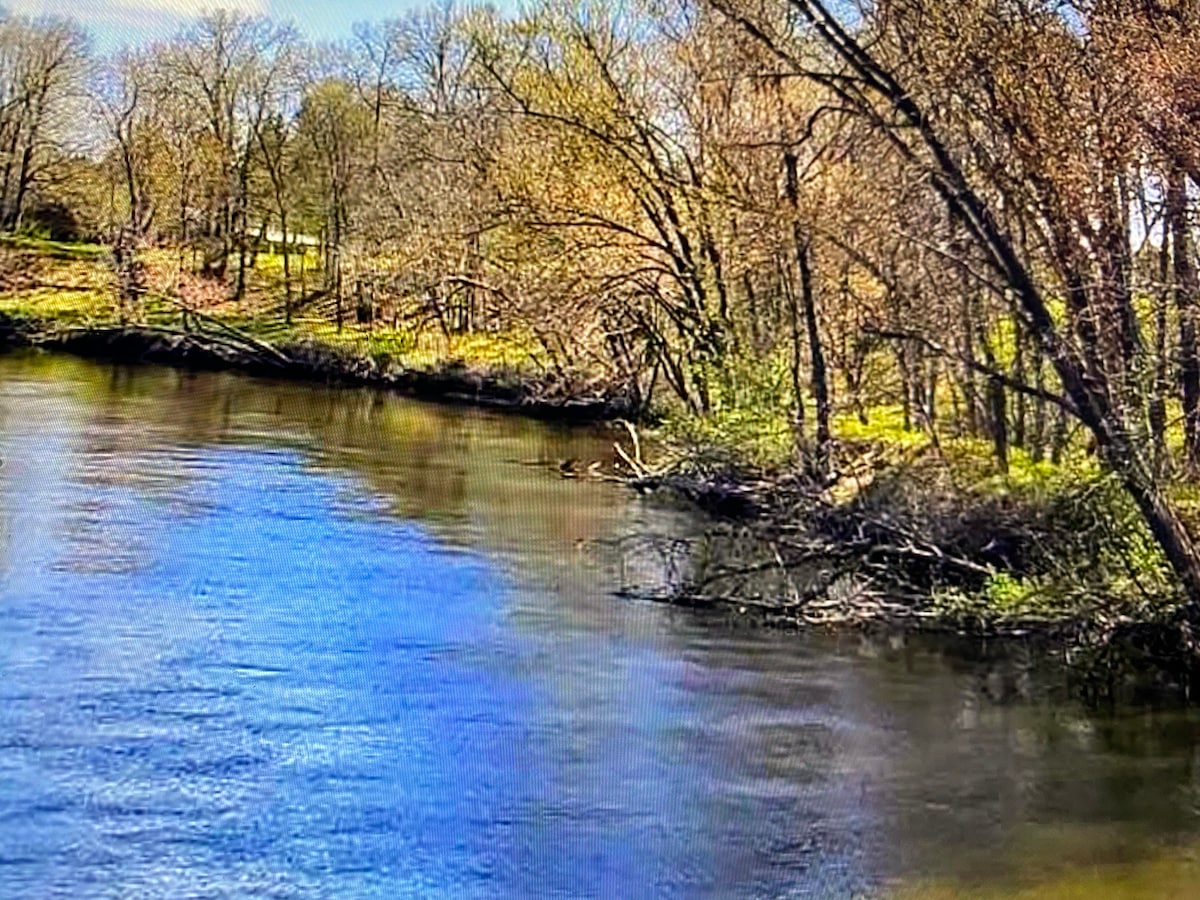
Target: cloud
<point>123,23</point>
<point>130,11</point>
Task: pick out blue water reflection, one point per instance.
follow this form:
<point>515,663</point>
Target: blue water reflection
<point>277,641</point>
<point>286,693</point>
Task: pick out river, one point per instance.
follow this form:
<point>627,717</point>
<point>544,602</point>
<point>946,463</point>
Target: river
<point>280,640</point>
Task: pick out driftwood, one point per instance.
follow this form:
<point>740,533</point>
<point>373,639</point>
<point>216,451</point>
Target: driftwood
<point>634,461</point>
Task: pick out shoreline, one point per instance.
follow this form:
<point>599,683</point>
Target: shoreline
<point>312,362</point>
<point>780,554</point>
<point>1152,648</point>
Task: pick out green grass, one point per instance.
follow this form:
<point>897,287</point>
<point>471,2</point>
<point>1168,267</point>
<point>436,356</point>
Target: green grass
<point>83,295</point>
<point>513,353</point>
<point>759,438</point>
<point>54,249</point>
<point>67,308</point>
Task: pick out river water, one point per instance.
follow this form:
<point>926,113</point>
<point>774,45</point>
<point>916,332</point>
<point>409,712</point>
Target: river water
<point>270,639</point>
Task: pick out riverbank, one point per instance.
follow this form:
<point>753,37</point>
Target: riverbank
<point>934,540</point>
<point>451,382</point>
<point>62,296</point>
<point>913,530</point>
<point>899,543</point>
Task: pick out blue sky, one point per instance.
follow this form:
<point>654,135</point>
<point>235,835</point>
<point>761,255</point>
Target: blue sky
<point>117,23</point>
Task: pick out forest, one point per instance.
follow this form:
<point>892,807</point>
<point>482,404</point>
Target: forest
<point>934,261</point>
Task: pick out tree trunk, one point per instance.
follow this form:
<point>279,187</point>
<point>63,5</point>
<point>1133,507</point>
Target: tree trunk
<point>10,157</point>
<point>287,271</point>
<point>1186,291</point>
<point>1157,407</point>
<point>1018,373</point>
<point>336,265</point>
<point>23,179</point>
<point>240,291</point>
<point>970,391</point>
<point>1164,522</point>
<point>1037,438</point>
<point>819,375</point>
<point>798,416</point>
<point>337,286</point>
<point>931,408</point>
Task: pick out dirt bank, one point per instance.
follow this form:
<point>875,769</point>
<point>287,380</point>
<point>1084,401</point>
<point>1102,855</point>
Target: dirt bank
<point>312,361</point>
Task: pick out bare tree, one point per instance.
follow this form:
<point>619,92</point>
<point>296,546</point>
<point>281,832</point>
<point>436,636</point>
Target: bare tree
<point>42,68</point>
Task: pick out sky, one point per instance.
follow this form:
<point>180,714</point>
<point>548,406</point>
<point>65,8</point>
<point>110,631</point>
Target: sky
<point>130,23</point>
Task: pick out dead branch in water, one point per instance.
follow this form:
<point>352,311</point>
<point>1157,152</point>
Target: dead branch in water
<point>795,553</point>
<point>151,340</point>
<point>250,341</point>
<point>635,462</point>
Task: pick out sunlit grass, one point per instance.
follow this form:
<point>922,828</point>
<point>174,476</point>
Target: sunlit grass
<point>67,308</point>
<point>54,249</point>
<point>83,295</point>
<point>492,352</point>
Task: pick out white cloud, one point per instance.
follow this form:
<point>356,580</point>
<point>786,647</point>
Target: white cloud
<point>112,11</point>
<point>130,23</point>
<point>185,8</point>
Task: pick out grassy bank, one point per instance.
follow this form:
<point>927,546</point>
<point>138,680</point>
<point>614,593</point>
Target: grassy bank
<point>922,526</point>
<point>64,296</point>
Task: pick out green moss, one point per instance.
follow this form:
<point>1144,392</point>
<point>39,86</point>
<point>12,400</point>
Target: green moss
<point>492,353</point>
<point>1089,555</point>
<point>1007,598</point>
<point>760,438</point>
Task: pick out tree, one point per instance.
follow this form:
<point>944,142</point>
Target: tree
<point>335,128</point>
<point>42,67</point>
<point>1094,345</point>
<point>231,67</point>
<point>125,101</point>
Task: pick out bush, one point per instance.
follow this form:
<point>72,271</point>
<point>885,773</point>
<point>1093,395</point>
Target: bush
<point>53,220</point>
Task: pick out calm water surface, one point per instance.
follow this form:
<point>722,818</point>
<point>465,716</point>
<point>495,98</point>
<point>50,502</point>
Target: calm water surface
<point>275,640</point>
